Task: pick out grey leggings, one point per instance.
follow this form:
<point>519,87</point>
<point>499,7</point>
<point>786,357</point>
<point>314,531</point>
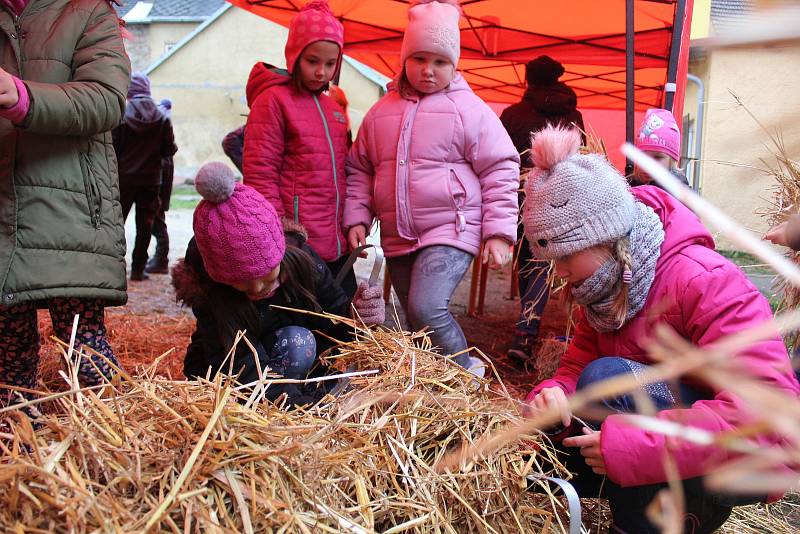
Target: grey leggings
<point>424,282</point>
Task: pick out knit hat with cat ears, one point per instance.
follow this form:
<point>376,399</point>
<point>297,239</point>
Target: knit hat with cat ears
<point>573,201</point>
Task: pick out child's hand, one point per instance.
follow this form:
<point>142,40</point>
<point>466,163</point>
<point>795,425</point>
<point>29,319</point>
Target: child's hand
<point>778,234</point>
<point>498,250</point>
<point>357,236</point>
<point>9,96</point>
<point>369,304</point>
<point>590,449</point>
<point>551,398</point>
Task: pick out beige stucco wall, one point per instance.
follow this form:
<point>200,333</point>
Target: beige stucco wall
<point>150,41</point>
<point>766,79</point>
<point>206,79</point>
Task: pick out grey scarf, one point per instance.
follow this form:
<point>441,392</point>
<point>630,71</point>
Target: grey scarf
<point>597,293</point>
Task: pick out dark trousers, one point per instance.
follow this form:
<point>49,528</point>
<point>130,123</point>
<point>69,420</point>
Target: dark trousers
<point>160,222</point>
<point>705,511</point>
<point>147,203</point>
<point>533,290</point>
<point>161,235</point>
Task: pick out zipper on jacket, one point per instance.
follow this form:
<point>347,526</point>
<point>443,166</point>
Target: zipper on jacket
<point>335,182</point>
<point>461,220</point>
<point>19,34</point>
<point>297,209</point>
<point>91,198</point>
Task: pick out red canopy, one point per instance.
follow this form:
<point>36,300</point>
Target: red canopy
<point>499,36</point>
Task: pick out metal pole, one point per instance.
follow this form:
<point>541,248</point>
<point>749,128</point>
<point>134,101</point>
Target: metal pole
<point>698,141</point>
<point>674,54</point>
<point>629,78</point>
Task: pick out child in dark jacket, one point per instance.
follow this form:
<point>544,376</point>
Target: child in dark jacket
<point>296,136</point>
<point>239,264</point>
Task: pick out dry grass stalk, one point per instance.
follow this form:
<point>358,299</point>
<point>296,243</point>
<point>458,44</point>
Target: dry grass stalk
<point>173,456</point>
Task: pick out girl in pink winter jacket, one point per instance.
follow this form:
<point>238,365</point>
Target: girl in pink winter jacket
<point>296,136</point>
<point>435,166</point>
<point>635,259</point>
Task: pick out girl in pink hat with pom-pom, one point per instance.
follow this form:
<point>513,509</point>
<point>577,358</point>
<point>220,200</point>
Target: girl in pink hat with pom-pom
<point>243,268</point>
<point>434,165</point>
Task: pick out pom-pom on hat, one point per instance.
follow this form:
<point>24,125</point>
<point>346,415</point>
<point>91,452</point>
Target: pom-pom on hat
<point>237,230</point>
<point>543,70</point>
<point>433,27</point>
<point>573,201</point>
<point>314,22</point>
<point>660,133</point>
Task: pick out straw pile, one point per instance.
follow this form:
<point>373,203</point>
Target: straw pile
<point>152,454</point>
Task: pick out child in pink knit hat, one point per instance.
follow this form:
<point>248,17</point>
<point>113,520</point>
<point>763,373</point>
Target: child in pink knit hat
<point>659,138</point>
<point>434,165</point>
<point>296,135</point>
<point>242,260</point>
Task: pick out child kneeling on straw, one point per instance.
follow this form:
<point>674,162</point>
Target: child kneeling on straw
<point>635,259</point>
<point>243,261</point>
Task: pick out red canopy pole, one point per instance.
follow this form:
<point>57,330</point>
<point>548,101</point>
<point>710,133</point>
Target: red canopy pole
<point>683,62</point>
<point>670,87</point>
<point>630,73</point>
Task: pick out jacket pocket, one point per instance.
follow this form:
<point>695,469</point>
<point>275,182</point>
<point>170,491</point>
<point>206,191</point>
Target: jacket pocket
<point>91,190</point>
<point>458,193</point>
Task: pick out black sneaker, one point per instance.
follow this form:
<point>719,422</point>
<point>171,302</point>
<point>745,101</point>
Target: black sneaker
<point>522,348</point>
<point>157,266</point>
<point>138,275</point>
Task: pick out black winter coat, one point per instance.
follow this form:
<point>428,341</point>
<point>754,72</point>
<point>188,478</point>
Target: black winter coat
<point>207,349</point>
<point>554,104</point>
<point>141,142</point>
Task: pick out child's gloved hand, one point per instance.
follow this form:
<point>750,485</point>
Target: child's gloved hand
<point>369,304</point>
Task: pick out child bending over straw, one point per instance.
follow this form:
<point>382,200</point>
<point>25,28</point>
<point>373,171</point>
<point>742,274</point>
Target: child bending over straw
<point>635,259</point>
<point>240,263</point>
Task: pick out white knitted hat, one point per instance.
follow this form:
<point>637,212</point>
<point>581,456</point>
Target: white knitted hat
<point>433,27</point>
<point>573,201</point>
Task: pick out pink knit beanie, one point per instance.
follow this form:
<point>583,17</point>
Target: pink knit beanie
<point>237,230</point>
<point>314,22</point>
<point>660,133</point>
<point>433,27</point>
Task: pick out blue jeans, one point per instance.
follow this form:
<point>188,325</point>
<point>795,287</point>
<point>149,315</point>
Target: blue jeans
<point>705,512</point>
<point>424,282</point>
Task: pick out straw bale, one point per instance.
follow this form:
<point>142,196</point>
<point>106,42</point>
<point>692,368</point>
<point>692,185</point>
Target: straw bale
<point>150,453</point>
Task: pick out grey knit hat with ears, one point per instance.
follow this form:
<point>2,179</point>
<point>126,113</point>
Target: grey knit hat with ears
<point>573,201</point>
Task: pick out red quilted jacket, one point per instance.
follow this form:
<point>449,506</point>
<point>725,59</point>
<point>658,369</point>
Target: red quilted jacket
<point>294,150</point>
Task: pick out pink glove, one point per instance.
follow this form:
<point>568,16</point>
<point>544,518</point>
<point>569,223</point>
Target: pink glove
<point>369,304</point>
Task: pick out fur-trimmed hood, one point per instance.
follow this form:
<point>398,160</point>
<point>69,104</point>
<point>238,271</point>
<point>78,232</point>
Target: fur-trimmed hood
<point>190,279</point>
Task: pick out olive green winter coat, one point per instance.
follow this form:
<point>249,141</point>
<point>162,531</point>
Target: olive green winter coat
<point>61,229</point>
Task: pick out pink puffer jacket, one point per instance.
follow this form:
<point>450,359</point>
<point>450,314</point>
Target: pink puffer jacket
<point>295,145</point>
<point>703,297</point>
<point>440,170</point>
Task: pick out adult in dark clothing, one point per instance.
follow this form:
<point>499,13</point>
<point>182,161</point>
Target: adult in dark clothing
<point>159,264</point>
<point>243,260</point>
<point>545,102</point>
<point>233,146</point>
<point>141,142</point>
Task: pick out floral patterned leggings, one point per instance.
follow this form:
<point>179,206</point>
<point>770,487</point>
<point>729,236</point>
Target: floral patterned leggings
<point>20,341</point>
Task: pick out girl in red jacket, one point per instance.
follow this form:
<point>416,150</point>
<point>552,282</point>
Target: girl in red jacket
<point>635,259</point>
<point>296,136</point>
